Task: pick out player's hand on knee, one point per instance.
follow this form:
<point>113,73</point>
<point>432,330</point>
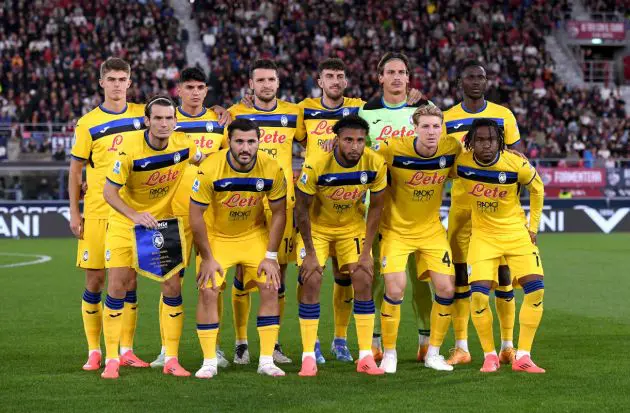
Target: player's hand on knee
<point>271,268</point>
<point>75,226</point>
<point>207,271</point>
<point>310,266</point>
<point>365,263</point>
<point>145,219</point>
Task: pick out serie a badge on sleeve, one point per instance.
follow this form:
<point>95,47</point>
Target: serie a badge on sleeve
<point>158,253</point>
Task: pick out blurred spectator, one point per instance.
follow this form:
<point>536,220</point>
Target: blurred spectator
<point>44,191</point>
<point>60,154</point>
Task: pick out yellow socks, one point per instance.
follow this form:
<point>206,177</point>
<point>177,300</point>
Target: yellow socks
<point>281,300</point>
<point>91,311</point>
<point>220,313</point>
<point>309,322</point>
<point>268,327</point>
<point>173,323</point>
<point>207,334</point>
<point>461,312</point>
<point>482,316</point>
<point>506,310</point>
<point>530,314</point>
<point>343,294</point>
<point>241,303</point>
<point>364,321</point>
<point>440,319</point>
<point>112,325</point>
<point>129,320</point>
<point>390,320</point>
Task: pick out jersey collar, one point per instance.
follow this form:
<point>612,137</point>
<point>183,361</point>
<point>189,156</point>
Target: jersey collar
<point>146,139</point>
<point>265,110</point>
<point>395,107</point>
<point>321,102</point>
<point>188,115</point>
<point>485,105</point>
<point>109,112</point>
<point>227,156</point>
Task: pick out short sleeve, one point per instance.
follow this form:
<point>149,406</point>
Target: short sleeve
<point>384,149</point>
<point>308,179</point>
<point>512,134</point>
<point>526,173</point>
<point>82,143</point>
<point>380,182</point>
<point>300,129</point>
<point>202,189</point>
<point>279,187</point>
<point>119,171</point>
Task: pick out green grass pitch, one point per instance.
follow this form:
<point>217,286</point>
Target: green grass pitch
<point>581,343</point>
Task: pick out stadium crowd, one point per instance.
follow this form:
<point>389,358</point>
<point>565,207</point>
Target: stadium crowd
<point>43,80</point>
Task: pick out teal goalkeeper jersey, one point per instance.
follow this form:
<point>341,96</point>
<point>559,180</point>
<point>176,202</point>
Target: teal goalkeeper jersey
<point>389,121</point>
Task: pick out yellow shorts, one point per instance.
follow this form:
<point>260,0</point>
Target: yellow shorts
<point>459,230</point>
<point>91,249</point>
<point>230,252</point>
<point>286,251</point>
<point>118,245</point>
<point>185,219</point>
<point>431,252</point>
<point>486,254</point>
<point>346,247</point>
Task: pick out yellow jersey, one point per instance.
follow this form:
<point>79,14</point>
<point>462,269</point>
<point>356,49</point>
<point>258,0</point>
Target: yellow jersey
<point>150,176</point>
<point>208,135</point>
<point>493,192</point>
<point>278,128</point>
<point>320,119</point>
<point>236,198</point>
<point>339,191</point>
<point>97,137</point>
<point>457,123</point>
<point>416,184</point>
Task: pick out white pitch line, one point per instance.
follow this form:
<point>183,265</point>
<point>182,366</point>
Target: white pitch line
<point>39,259</point>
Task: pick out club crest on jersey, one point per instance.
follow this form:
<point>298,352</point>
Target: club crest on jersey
<point>209,127</point>
<point>345,112</point>
<point>195,186</point>
<point>442,162</point>
<point>284,120</point>
<point>376,146</point>
<point>363,178</point>
<point>303,253</point>
<point>136,124</point>
<point>158,240</point>
<point>85,255</point>
<point>304,178</point>
<point>177,157</point>
<point>384,262</point>
<point>502,177</point>
<point>117,167</point>
<point>260,185</point>
<point>108,255</point>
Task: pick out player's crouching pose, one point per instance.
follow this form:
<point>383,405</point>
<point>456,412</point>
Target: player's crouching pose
<point>492,179</point>
<point>144,167</point>
<point>234,182</point>
<point>330,192</point>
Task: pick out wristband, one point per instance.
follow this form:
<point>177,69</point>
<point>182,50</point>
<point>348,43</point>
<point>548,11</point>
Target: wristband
<point>271,255</point>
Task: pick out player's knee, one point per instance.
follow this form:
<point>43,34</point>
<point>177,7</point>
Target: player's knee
<point>504,276</point>
<point>362,285</point>
<point>395,291</point>
<point>480,299</point>
<point>95,280</point>
<point>208,296</point>
<point>132,282</point>
<point>445,290</point>
<point>268,294</point>
<point>172,287</point>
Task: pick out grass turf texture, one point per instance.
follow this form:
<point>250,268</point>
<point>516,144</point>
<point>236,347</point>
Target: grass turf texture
<point>584,327</point>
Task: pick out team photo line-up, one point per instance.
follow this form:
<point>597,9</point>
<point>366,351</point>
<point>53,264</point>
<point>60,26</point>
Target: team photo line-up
<point>161,178</point>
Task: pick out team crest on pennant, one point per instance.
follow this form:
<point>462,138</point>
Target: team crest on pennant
<point>363,178</point>
<point>346,112</point>
<point>284,120</point>
<point>502,177</point>
<point>260,185</point>
<point>136,124</point>
<point>209,127</point>
<point>442,162</point>
<point>176,157</point>
<point>158,240</point>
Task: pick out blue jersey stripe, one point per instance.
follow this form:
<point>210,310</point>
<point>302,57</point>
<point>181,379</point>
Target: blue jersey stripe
<point>468,121</point>
<point>481,175</point>
<point>112,126</point>
<point>243,184</point>
<point>419,164</point>
<point>214,128</point>
<point>152,163</point>
<point>347,178</point>
<point>330,114</point>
